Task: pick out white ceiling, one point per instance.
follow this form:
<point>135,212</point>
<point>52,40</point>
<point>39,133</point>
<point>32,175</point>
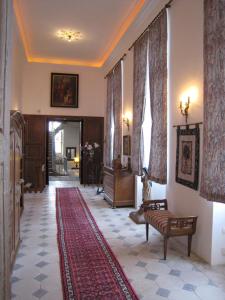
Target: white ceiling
<point>99,21</point>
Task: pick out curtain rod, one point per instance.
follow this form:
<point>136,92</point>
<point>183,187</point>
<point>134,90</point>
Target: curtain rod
<point>199,123</point>
<point>115,65</point>
<point>168,5</point>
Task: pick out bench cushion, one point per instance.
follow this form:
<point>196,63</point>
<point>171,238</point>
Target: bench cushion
<point>158,218</point>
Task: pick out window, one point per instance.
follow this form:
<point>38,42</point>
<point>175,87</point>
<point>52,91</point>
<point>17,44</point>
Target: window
<point>59,142</point>
<point>53,126</point>
<point>147,124</point>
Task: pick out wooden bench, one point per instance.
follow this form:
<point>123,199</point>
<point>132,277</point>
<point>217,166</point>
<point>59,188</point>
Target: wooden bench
<point>156,214</point>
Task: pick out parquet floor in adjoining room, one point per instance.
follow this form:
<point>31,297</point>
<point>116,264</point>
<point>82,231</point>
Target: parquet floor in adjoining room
<point>36,273</point>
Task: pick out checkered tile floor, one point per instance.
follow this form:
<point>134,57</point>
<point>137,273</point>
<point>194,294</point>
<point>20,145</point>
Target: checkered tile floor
<point>36,272</point>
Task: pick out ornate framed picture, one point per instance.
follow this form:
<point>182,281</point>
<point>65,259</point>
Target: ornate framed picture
<point>64,90</point>
<point>126,145</point>
<point>70,153</point>
<point>187,156</point>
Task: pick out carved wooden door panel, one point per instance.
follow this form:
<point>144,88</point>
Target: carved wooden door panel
<point>35,151</point>
<point>16,153</point>
<point>16,174</point>
<point>18,191</point>
<point>12,194</point>
<point>93,132</point>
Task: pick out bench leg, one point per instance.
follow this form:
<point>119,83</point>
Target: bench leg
<point>165,246</point>
<point>147,229</point>
<point>189,244</point>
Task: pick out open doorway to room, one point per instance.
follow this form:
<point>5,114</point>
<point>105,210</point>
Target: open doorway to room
<point>63,150</point>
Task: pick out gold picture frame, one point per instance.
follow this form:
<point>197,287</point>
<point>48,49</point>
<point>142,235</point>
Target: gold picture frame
<point>64,90</point>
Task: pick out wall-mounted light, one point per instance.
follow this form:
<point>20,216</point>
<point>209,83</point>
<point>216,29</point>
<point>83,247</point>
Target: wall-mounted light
<point>76,161</point>
<point>189,96</point>
<point>184,107</point>
<point>127,119</point>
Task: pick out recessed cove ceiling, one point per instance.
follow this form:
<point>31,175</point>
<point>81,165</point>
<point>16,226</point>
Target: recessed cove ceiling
<point>101,23</point>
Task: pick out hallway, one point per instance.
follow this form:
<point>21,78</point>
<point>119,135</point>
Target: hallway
<point>36,272</point>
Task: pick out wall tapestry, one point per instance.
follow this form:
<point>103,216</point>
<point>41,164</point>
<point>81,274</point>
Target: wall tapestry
<point>64,90</point>
<point>187,157</point>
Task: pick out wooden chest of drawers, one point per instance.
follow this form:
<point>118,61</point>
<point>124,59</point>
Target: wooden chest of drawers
<point>118,187</point>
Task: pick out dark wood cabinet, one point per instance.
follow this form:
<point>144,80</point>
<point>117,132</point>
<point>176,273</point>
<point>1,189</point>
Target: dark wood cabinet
<point>118,187</point>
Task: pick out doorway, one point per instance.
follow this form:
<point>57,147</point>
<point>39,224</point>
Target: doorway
<point>63,150</point>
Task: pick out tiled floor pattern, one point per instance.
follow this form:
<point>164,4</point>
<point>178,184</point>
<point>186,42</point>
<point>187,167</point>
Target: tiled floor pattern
<point>36,272</point>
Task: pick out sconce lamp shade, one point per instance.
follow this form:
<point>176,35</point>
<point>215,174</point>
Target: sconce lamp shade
<point>76,159</point>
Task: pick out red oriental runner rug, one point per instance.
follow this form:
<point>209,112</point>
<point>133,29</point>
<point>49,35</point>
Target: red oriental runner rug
<point>89,269</point>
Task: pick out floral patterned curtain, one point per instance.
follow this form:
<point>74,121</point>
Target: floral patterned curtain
<point>158,98</point>
<point>139,79</point>
<point>117,110</point>
<point>213,165</point>
<point>109,120</point>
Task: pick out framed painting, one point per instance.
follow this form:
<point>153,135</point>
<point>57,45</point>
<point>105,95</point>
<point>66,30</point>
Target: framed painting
<point>71,153</point>
<point>64,90</point>
<point>126,145</point>
<point>187,157</point>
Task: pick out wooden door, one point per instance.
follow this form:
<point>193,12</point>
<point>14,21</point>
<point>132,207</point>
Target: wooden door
<point>35,151</point>
<point>93,131</point>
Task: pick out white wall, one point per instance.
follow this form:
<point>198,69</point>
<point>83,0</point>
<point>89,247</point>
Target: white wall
<point>72,136</point>
<point>36,90</point>
<point>16,72</point>
<point>186,70</point>
<point>218,236</point>
<point>185,60</point>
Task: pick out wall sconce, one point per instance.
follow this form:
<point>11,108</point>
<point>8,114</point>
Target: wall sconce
<point>184,107</point>
<point>76,162</point>
<point>127,119</point>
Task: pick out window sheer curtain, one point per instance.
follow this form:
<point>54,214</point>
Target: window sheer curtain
<point>117,110</point>
<point>139,79</point>
<point>109,121</point>
<point>158,98</point>
<point>213,164</point>
<point>147,124</point>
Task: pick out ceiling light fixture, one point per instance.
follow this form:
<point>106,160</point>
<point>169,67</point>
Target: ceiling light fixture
<point>69,35</point>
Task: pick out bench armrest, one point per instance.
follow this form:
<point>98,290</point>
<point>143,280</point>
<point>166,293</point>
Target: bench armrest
<point>182,225</point>
<point>155,204</point>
